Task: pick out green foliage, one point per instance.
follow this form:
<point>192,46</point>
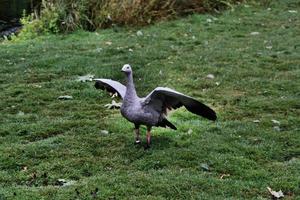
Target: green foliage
<point>48,22</point>
<point>69,15</point>
<point>50,17</point>
<point>56,16</point>
<point>31,28</point>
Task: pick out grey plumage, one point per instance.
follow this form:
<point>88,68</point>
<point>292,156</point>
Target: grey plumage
<point>162,99</point>
<point>111,86</point>
<point>152,109</point>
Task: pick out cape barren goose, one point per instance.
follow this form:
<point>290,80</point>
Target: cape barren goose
<point>152,109</point>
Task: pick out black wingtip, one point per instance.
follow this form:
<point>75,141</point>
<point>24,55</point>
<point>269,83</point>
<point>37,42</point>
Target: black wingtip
<point>202,110</point>
<point>99,85</point>
<point>211,115</point>
<point>165,123</point>
<point>104,86</point>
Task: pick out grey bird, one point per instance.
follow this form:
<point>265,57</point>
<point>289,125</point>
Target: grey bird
<point>152,109</point>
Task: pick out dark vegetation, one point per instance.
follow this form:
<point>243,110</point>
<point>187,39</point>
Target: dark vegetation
<point>10,13</point>
<point>69,15</point>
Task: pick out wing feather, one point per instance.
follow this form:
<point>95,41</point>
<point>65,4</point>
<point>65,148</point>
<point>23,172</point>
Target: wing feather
<point>111,86</point>
<point>162,99</point>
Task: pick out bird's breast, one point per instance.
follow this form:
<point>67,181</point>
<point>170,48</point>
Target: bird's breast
<point>129,110</point>
<point>135,113</point>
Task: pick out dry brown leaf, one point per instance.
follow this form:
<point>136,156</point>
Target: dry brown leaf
<point>275,194</point>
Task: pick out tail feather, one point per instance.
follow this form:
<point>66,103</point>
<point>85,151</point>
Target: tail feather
<point>165,123</point>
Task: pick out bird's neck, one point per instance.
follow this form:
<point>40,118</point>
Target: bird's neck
<point>130,89</point>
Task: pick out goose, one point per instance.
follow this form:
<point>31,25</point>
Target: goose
<point>151,110</point>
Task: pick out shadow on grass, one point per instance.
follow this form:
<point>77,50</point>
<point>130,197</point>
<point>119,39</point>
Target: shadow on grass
<point>161,142</point>
<point>135,152</point>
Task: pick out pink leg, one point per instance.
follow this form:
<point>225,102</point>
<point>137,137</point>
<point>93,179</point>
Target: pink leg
<point>148,137</point>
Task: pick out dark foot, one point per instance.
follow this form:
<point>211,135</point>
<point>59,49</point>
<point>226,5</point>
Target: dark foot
<point>137,142</point>
<point>147,146</point>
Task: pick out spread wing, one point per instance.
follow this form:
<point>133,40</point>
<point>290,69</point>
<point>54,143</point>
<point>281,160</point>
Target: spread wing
<point>162,99</point>
<point>111,86</point>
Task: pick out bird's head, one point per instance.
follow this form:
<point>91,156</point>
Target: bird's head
<point>126,69</point>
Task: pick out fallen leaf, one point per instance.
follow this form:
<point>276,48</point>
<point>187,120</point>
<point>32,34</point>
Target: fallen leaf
<point>61,181</point>
<point>113,105</point>
<point>275,121</point>
<point>210,76</point>
<point>85,78</point>
<point>69,183</point>
<point>20,113</point>
<point>36,86</point>
<point>104,132</point>
<point>224,175</point>
<point>254,33</point>
<point>205,166</point>
<point>99,50</point>
<point>275,194</point>
<point>65,97</point>
<point>108,168</point>
<point>276,128</point>
<point>209,20</point>
<point>190,131</point>
<point>139,33</point>
<point>24,168</point>
<point>64,182</point>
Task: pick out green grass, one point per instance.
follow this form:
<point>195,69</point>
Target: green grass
<point>57,139</point>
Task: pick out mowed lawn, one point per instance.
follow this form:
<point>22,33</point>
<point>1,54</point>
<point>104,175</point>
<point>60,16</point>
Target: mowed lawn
<point>253,51</point>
